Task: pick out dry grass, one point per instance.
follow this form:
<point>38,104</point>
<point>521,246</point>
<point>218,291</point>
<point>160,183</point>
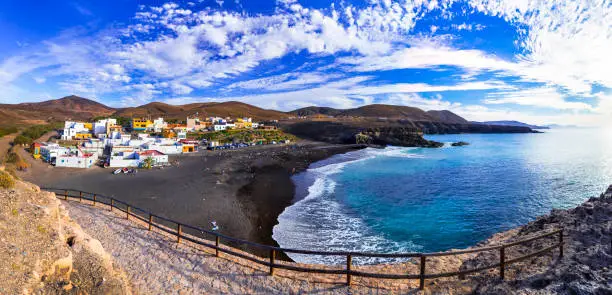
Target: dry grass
<point>6,180</point>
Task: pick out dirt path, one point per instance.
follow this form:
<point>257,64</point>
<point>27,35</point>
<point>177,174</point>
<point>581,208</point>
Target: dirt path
<point>5,144</point>
<point>155,264</point>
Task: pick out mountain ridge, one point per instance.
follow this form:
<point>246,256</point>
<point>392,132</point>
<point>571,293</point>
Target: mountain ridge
<point>381,111</point>
<point>78,108</point>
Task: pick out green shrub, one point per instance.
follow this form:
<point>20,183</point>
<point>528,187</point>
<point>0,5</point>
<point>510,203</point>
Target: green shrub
<point>11,157</point>
<point>7,130</point>
<point>6,180</point>
<point>15,159</point>
<point>20,139</point>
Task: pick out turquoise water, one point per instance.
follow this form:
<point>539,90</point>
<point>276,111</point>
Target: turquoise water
<point>414,199</point>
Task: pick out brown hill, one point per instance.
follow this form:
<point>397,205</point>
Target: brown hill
<point>78,108</point>
<point>313,111</point>
<point>66,108</point>
<point>385,111</point>
<point>447,117</point>
<point>220,109</point>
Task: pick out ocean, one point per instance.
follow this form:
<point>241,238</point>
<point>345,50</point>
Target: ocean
<point>418,199</point>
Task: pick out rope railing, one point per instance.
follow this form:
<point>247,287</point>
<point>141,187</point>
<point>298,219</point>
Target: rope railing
<point>176,228</point>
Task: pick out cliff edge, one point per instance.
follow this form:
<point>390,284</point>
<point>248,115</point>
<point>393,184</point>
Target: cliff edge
<point>43,251</point>
<point>586,267</point>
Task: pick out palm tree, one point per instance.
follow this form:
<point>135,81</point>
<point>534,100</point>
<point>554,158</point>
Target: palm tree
<point>148,163</point>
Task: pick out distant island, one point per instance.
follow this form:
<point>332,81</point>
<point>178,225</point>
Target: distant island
<point>513,123</point>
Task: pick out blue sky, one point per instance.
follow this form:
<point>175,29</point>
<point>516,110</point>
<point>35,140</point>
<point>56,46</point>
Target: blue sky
<point>535,61</point>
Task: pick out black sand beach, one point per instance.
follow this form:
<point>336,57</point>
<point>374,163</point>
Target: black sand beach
<point>243,190</point>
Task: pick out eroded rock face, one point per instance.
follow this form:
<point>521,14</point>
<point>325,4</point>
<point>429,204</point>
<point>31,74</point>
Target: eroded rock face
<point>335,132</point>
<point>43,251</point>
<point>586,267</point>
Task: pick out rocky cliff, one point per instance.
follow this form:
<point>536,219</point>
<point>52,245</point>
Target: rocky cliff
<point>388,132</point>
<point>586,267</point>
<point>335,132</point>
<point>42,251</point>
<point>452,128</point>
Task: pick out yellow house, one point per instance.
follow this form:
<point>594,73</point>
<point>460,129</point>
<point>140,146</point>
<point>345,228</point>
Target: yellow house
<point>35,150</point>
<point>242,123</point>
<point>88,125</point>
<point>141,124</point>
<point>82,136</point>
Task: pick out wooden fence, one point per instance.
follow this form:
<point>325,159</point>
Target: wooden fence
<point>178,229</point>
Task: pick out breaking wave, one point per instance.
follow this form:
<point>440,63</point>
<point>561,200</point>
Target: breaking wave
<point>318,221</point>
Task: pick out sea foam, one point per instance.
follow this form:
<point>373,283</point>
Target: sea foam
<point>321,222</point>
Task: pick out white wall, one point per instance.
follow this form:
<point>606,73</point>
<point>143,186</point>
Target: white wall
<point>167,149</point>
<point>116,163</point>
<point>75,162</point>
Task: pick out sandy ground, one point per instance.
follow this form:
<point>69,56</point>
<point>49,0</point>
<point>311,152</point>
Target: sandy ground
<point>155,264</point>
<point>243,190</point>
<point>5,144</point>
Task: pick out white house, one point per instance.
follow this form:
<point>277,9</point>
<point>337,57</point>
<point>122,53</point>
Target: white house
<point>123,159</point>
<point>101,126</point>
<point>220,126</point>
<point>95,146</point>
<point>174,148</point>
<point>80,160</point>
<point>158,125</point>
<point>136,159</point>
<point>72,128</point>
<point>157,157</point>
<point>50,151</point>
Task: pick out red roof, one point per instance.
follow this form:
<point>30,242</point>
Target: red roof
<point>151,153</point>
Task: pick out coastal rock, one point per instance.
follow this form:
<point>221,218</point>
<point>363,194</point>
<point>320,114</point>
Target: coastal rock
<point>585,267</point>
<point>47,252</point>
<point>460,143</point>
<point>335,132</point>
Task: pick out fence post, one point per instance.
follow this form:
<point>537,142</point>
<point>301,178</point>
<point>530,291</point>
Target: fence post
<point>127,213</point>
<point>422,274</point>
<point>111,204</point>
<point>94,200</point>
<point>349,263</point>
<point>272,257</point>
<point>502,261</point>
<point>217,244</point>
<point>178,236</point>
<point>561,244</point>
<point>80,196</point>
<point>150,220</point>
<point>66,195</point>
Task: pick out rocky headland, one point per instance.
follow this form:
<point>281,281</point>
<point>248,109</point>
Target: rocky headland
<point>388,132</point>
<point>340,133</point>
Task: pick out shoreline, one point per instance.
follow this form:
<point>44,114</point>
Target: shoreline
<point>243,190</point>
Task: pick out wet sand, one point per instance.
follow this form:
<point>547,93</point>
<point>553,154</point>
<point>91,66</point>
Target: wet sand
<point>243,190</point>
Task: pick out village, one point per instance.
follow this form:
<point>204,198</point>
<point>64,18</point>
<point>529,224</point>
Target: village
<point>146,143</point>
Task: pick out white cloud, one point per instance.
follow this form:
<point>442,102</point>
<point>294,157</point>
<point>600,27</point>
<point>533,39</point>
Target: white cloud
<point>342,93</point>
<point>426,53</point>
<point>171,50</point>
<point>539,97</point>
<point>82,10</point>
<point>567,43</point>
<point>284,81</point>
